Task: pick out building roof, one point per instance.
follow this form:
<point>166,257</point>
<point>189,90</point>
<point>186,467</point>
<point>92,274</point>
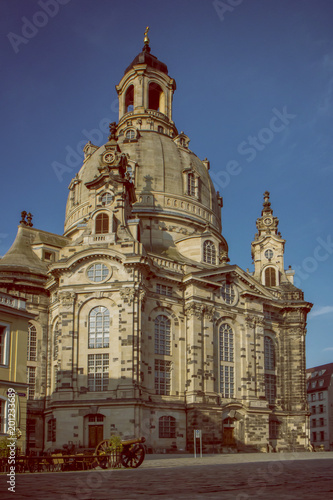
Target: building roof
<point>145,57</point>
<point>319,377</point>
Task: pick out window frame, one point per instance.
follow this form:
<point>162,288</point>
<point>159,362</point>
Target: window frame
<point>31,381</point>
<point>163,383</point>
<point>102,223</point>
<point>209,252</point>
<point>32,343</point>
<point>93,272</point>
<point>167,427</point>
<point>3,415</point>
<point>162,335</point>
<point>270,272</point>
<point>93,328</point>
<point>98,384</point>
<point>4,344</point>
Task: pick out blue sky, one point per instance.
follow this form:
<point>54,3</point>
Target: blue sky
<point>236,68</point>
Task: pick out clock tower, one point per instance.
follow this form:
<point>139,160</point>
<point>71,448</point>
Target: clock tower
<point>268,248</point>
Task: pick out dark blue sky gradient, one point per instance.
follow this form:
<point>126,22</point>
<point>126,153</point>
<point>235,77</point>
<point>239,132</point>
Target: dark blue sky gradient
<point>231,74</point>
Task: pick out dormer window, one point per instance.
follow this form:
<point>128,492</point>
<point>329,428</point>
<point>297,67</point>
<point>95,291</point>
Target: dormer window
<point>209,252</point>
<point>102,224</point>
<point>130,134</point>
<point>190,184</point>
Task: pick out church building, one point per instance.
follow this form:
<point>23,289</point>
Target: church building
<point>141,326</point>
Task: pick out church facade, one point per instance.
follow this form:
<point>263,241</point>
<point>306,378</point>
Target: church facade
<point>142,326</point>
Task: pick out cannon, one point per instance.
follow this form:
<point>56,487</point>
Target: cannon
<point>131,453</point>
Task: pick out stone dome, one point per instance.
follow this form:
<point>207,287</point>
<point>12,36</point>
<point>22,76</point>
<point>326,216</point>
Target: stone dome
<point>160,167</point>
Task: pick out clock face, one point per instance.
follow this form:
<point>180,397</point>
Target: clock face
<point>268,221</point>
<point>108,157</point>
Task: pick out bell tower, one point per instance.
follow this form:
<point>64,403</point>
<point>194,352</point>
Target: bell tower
<point>145,95</point>
<point>267,249</point>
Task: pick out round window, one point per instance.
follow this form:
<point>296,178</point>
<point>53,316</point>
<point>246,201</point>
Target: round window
<point>98,272</point>
<point>106,198</point>
<point>269,254</point>
<point>228,293</point>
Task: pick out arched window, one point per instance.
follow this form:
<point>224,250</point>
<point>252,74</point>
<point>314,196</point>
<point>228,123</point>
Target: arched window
<point>226,343</point>
<point>167,427</point>
<point>209,252</point>
<point>156,97</point>
<point>162,335</point>
<point>226,361</point>
<point>160,129</point>
<point>55,341</point>
<point>102,224</point>
<point>32,343</point>
<point>99,327</point>
<point>129,99</point>
<point>270,377</point>
<point>270,276</point>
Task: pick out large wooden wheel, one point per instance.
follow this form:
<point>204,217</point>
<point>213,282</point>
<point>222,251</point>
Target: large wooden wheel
<point>102,449</point>
<point>132,456</point>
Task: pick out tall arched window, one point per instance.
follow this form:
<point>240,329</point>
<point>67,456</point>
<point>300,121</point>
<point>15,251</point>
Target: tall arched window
<point>32,343</point>
<point>162,335</point>
<point>226,361</point>
<point>102,224</point>
<point>129,99</point>
<point>156,97</point>
<point>226,343</point>
<point>270,363</point>
<point>270,276</point>
<point>99,327</point>
<point>209,252</point>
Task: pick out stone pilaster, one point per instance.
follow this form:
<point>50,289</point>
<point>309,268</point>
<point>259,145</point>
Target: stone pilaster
<point>66,346</point>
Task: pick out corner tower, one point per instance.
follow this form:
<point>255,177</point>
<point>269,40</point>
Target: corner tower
<point>268,247</point>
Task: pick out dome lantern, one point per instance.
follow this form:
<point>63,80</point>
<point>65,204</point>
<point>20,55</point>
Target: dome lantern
<point>145,94</point>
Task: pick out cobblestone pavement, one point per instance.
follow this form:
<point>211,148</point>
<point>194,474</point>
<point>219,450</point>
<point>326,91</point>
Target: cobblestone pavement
<point>292,476</point>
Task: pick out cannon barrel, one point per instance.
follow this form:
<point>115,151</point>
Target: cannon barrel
<point>133,441</point>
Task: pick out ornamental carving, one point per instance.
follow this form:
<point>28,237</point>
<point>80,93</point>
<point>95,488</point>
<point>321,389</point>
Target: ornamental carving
<point>127,294</point>
<point>195,310</point>
<point>66,298</point>
<point>209,312</point>
<point>250,321</point>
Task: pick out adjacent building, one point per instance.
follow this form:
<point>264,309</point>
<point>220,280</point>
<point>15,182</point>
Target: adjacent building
<point>142,325</point>
<point>14,320</point>
<point>320,399</point>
